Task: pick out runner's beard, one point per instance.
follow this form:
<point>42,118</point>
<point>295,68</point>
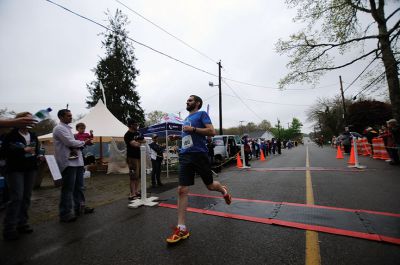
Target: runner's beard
<point>190,107</point>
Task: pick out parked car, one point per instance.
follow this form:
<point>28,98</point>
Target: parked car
<point>226,146</point>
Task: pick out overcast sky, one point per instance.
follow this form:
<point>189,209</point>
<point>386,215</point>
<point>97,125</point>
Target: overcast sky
<point>47,56</point>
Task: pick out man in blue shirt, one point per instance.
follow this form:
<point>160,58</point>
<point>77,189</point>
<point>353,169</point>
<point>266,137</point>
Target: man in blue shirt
<point>193,158</point>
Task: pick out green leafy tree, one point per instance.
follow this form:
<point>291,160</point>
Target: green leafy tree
<point>250,127</point>
<point>333,27</point>
<point>154,117</point>
<point>117,73</point>
<point>292,133</point>
<point>233,131</point>
<point>295,129</point>
<point>264,125</point>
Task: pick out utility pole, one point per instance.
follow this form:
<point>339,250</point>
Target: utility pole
<point>344,104</point>
<point>279,131</point>
<point>220,98</point>
<point>241,127</point>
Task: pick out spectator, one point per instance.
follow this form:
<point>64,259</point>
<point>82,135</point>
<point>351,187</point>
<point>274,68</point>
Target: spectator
<point>156,155</point>
<point>21,148</point>
<point>393,141</point>
<point>247,150</point>
<point>346,140</point>
<point>72,171</point>
<point>133,139</point>
<point>279,146</point>
<point>82,136</point>
<point>18,122</point>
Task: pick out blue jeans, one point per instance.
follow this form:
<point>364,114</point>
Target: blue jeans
<point>20,186</point>
<point>72,190</point>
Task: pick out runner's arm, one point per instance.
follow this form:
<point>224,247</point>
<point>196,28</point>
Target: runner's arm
<point>208,131</point>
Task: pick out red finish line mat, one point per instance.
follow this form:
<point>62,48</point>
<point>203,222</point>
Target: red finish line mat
<point>371,225</point>
<point>266,169</point>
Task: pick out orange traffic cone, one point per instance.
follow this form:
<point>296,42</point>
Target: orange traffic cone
<point>262,157</point>
<point>352,160</point>
<point>239,163</point>
<point>339,154</point>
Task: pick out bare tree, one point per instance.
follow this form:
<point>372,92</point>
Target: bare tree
<point>334,27</point>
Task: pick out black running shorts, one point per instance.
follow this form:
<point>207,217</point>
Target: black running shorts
<point>191,163</point>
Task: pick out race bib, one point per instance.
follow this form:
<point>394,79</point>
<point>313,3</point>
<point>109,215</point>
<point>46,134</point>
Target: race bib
<point>187,141</point>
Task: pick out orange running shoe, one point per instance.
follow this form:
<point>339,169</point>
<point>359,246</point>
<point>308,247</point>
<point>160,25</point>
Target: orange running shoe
<point>178,235</point>
<point>227,196</point>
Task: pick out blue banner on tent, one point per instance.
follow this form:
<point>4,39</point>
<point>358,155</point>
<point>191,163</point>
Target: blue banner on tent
<point>162,129</point>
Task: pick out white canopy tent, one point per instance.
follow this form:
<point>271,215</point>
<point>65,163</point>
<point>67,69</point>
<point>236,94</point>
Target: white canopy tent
<point>101,121</point>
<point>106,128</point>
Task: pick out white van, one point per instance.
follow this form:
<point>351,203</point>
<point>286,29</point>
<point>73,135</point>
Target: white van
<point>226,146</point>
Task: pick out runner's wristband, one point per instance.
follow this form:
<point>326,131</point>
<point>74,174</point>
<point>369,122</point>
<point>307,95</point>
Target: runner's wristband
<point>194,129</point>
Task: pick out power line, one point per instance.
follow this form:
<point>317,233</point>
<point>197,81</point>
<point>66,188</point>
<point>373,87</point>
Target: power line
<point>270,102</point>
<point>262,86</point>
<point>260,101</point>
<point>166,55</point>
<point>255,114</point>
<point>201,53</point>
<point>170,34</point>
<point>142,44</point>
<point>369,85</point>
<point>358,75</point>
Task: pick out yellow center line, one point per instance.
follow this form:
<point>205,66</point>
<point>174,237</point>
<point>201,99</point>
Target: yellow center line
<point>312,246</point>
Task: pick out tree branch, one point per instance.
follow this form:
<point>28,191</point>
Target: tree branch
<point>395,27</point>
<point>338,67</point>
<point>394,12</point>
<point>333,45</point>
<point>349,2</point>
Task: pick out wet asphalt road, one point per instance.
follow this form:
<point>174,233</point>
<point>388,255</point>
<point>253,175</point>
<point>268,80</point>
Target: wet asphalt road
<point>115,234</point>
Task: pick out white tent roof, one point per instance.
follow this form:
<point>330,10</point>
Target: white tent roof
<point>101,121</point>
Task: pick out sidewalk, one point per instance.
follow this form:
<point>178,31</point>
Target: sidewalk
<point>101,189</point>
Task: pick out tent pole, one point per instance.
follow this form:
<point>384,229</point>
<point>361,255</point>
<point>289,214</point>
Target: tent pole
<point>101,151</point>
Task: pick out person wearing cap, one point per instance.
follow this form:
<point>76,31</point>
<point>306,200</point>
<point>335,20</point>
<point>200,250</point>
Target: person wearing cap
<point>393,141</point>
<point>156,155</point>
<point>133,139</point>
<point>370,133</point>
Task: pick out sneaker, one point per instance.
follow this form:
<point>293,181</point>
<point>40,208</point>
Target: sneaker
<point>177,235</point>
<point>84,210</point>
<point>227,196</point>
<point>88,210</point>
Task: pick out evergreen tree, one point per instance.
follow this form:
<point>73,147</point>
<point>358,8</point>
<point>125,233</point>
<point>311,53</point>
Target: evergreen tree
<point>117,73</point>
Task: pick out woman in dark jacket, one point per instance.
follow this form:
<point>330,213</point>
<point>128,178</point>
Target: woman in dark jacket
<point>21,148</point>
